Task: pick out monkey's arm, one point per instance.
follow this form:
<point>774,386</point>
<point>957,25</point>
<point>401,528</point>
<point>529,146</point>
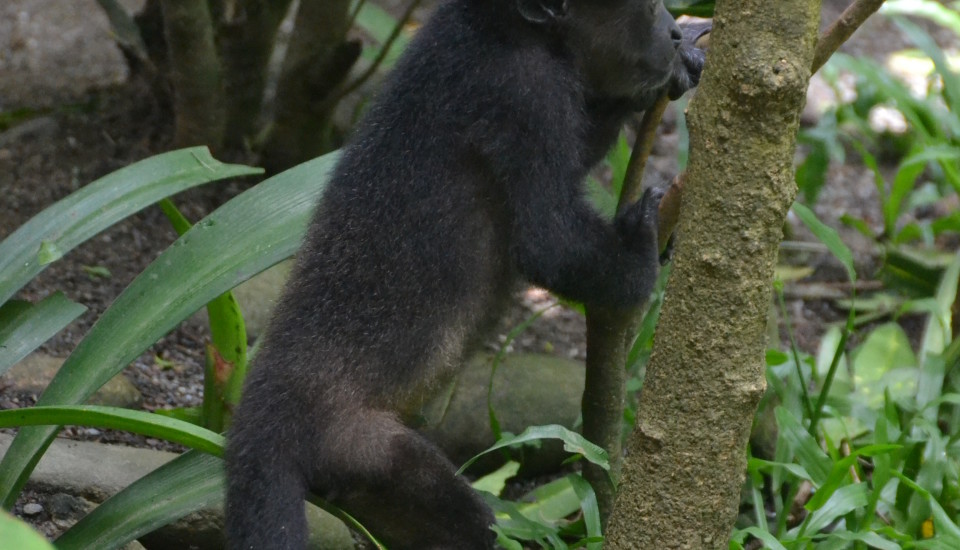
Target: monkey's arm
<point>559,242</point>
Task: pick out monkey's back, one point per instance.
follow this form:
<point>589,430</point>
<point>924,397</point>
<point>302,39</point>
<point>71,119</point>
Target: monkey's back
<point>407,259</point>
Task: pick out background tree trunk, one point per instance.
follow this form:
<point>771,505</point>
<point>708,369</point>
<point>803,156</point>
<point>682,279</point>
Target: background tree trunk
<point>247,37</point>
<point>684,469</point>
<point>318,59</point>
<point>195,73</point>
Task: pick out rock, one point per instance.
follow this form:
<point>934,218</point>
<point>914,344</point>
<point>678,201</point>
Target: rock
<point>529,389</point>
<point>32,509</point>
<point>67,507</point>
<point>257,298</point>
<point>34,372</point>
<point>74,471</point>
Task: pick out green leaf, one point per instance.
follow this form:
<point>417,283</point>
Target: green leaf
<point>812,172</point>
<point>513,523</point>
<point>934,11</point>
<point>870,538</point>
<point>885,362</point>
<point>551,502</point>
<point>192,415</point>
<point>48,253</point>
<point>755,464</point>
<point>591,510</point>
<point>699,8</point>
<point>62,226</point>
<point>803,446</point>
<point>939,330</point>
<point>951,81</point>
<point>17,534</point>
<point>193,481</point>
<point>769,541</point>
<point>903,183</point>
<point>843,501</point>
<point>906,270</point>
<point>827,236</point>
<point>225,370</point>
<point>495,481</point>
<point>945,526</point>
<point>24,326</point>
<point>115,418</point>
<point>248,234</point>
<point>572,442</point>
<point>841,472</point>
<point>380,25</point>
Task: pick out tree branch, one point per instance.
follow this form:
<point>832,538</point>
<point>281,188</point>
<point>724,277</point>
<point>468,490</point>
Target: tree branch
<point>841,30</point>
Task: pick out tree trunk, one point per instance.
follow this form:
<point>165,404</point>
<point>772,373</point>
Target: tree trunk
<point>195,73</point>
<point>246,42</point>
<point>318,59</point>
<point>604,390</point>
<point>686,460</point>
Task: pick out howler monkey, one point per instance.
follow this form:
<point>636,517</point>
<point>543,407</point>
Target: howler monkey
<point>464,178</point>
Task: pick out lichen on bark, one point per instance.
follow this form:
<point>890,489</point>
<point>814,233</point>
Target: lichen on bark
<point>686,460</point>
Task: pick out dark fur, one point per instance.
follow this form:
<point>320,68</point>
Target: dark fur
<point>464,178</point>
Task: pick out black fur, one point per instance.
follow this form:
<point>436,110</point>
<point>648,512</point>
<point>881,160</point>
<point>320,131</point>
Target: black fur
<point>464,178</point>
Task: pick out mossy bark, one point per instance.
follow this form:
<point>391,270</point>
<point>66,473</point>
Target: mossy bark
<point>246,40</point>
<point>195,73</point>
<point>686,460</point>
<point>318,59</point>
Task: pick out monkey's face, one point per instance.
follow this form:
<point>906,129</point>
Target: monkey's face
<point>624,48</point>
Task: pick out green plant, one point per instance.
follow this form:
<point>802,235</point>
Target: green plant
<point>225,367</point>
<point>245,236</point>
<point>17,534</point>
<point>872,463</point>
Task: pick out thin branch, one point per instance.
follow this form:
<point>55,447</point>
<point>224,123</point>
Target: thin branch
<point>841,30</point>
<point>394,34</point>
<point>646,134</point>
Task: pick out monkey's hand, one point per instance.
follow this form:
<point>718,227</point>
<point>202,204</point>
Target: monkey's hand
<point>691,57</point>
<point>637,224</point>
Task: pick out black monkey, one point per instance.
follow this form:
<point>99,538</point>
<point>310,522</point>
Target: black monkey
<point>464,178</point>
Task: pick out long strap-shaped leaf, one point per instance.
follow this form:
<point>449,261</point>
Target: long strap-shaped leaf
<point>24,326</point>
<point>99,205</point>
<point>192,481</point>
<point>115,418</point>
<point>250,233</point>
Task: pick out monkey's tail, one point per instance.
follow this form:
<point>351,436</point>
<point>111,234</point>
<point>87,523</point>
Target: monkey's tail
<point>265,492</point>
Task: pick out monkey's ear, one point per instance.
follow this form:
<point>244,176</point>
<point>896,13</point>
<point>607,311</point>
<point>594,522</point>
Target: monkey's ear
<point>540,12</point>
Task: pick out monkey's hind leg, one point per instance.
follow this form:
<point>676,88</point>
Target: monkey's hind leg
<point>265,493</point>
<point>399,485</point>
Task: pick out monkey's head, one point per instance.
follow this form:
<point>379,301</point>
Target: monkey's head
<point>625,49</point>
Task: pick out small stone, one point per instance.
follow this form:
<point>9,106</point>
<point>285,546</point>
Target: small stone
<point>67,507</point>
<point>32,509</point>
